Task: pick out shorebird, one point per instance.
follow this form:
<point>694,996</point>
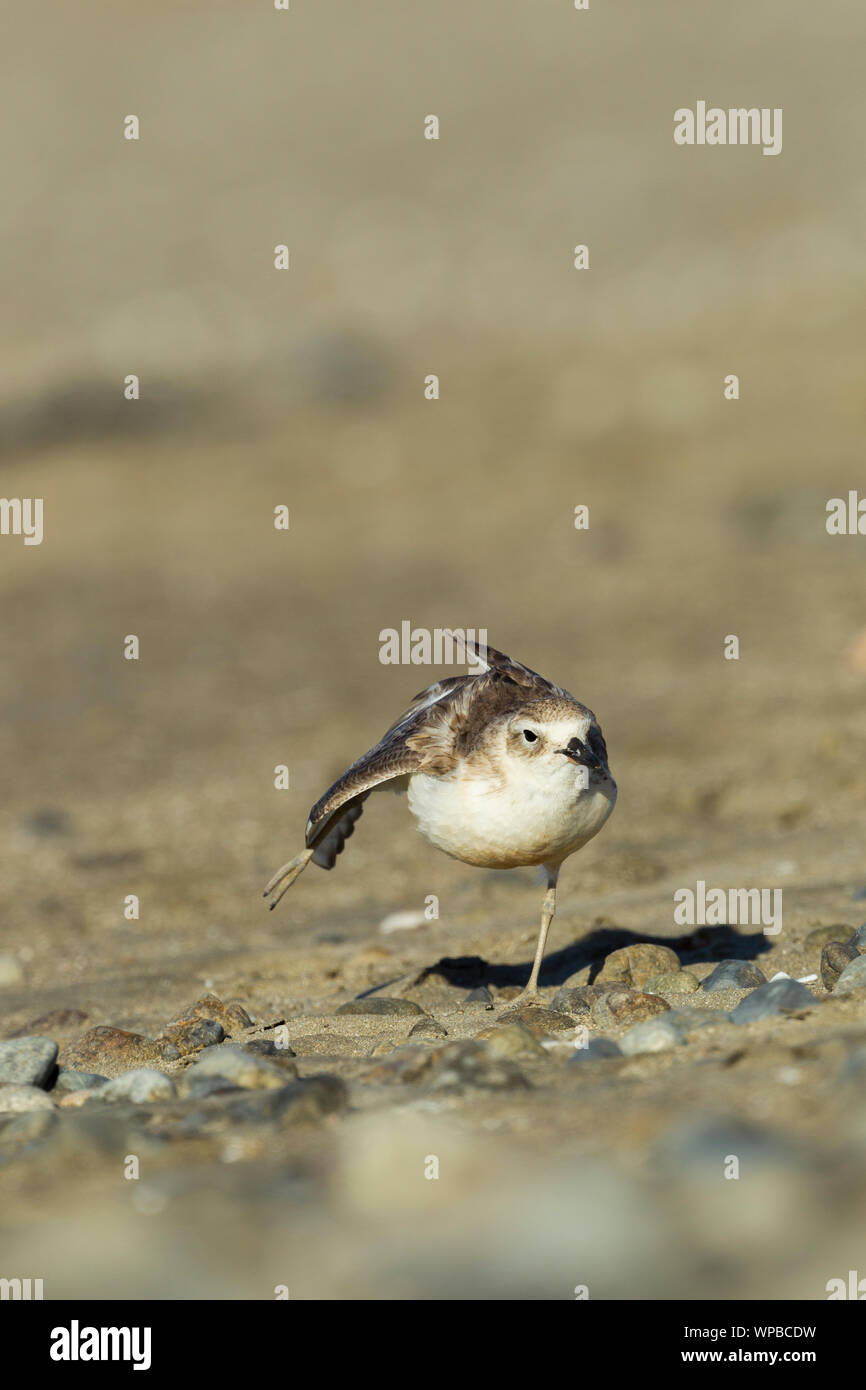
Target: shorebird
<point>502,768</point>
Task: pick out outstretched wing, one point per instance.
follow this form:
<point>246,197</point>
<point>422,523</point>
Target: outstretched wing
<point>439,726</point>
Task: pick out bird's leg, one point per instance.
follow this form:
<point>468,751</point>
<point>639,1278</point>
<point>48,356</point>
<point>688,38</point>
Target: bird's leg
<point>285,877</point>
<point>548,908</point>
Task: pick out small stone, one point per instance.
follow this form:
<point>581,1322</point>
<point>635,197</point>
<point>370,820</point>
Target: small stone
<point>820,936</point>
<point>858,939</point>
<point>140,1086</point>
<point>511,1040</point>
<point>636,965</point>
<point>597,1049</point>
<point>466,1066</point>
<point>673,982</point>
<point>194,1087</point>
<point>624,1005</point>
<point>233,1017</point>
<point>654,1035</point>
<point>576,1000</point>
<point>834,958</point>
<point>540,1021</point>
<point>381,1004</point>
<point>69,1081</point>
<point>27,1061</point>
<point>241,1068</point>
<point>480,995</point>
<point>852,978</point>
<point>311,1099</point>
<point>194,1035</point>
<point>733,974</point>
<point>428,1028</point>
<point>265,1047</point>
<point>17,1098</point>
<point>112,1051</point>
<point>11,971</point>
<point>779,996</point>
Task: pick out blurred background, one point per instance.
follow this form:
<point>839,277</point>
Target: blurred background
<point>260,647</point>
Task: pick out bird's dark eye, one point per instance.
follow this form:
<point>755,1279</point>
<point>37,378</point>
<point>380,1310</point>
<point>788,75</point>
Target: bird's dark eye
<point>529,736</point>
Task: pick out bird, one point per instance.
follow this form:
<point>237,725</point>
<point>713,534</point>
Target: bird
<point>502,768</point>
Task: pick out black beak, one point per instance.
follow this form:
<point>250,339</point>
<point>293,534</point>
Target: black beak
<point>578,753</point>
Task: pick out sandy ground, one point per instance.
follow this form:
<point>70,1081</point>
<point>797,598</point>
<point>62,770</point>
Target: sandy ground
<point>259,648</point>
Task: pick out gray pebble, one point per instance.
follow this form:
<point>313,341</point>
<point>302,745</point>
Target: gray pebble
<point>655,1035</point>
<point>68,1080</point>
<point>240,1067</point>
<point>859,938</point>
<point>481,995</point>
<point>18,1098</point>
<point>779,996</point>
<point>853,977</point>
<point>27,1061</point>
<point>734,974</point>
<point>141,1086</point>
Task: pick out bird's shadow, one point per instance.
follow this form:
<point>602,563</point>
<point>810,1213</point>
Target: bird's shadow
<point>704,944</point>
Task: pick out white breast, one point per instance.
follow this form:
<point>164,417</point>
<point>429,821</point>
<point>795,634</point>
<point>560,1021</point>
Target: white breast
<point>502,825</point>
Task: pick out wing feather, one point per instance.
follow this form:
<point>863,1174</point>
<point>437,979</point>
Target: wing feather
<point>440,725</point>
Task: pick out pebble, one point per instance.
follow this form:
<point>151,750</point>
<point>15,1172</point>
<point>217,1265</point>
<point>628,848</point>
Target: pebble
<point>111,1051</point>
<point>623,1005</point>
<point>381,1004</point>
<point>15,1098</point>
<point>69,1081</point>
<point>11,971</point>
<point>233,1017</point>
<point>28,1061</point>
<point>539,1020</point>
<point>779,996</point>
<point>140,1086</point>
<point>576,1000</point>
<point>638,964</point>
<point>858,939</point>
<point>194,1035</point>
<point>835,956</point>
<point>674,982</point>
<point>734,974</point>
<point>466,1066</point>
<point>480,995</point>
<point>511,1040</point>
<point>242,1068</point>
<point>428,1028</point>
<point>654,1035</point>
<point>852,978</point>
